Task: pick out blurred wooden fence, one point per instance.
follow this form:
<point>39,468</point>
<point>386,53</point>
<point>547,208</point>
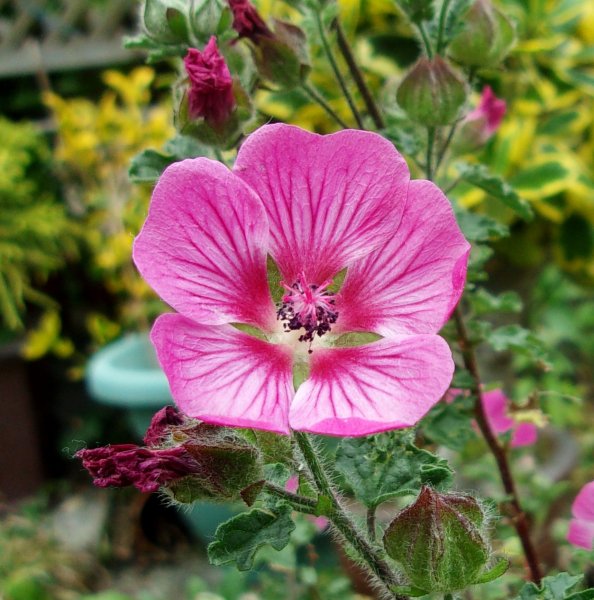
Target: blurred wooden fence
<point>60,35</point>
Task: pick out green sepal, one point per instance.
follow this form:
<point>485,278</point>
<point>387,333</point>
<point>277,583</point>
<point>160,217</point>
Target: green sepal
<point>493,573</point>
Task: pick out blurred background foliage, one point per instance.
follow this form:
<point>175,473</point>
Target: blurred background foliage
<point>69,213</point>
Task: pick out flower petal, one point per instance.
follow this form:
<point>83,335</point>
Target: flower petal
<point>495,406</point>
<point>525,434</point>
<point>203,246</point>
<point>366,389</point>
<point>412,283</point>
<point>223,376</point>
<point>583,505</point>
<point>581,533</point>
<point>329,199</point>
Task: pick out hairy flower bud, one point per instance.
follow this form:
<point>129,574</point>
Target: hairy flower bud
<point>246,20</point>
<point>439,541</point>
<point>432,93</point>
<point>211,86</point>
<point>486,38</point>
<point>160,428</point>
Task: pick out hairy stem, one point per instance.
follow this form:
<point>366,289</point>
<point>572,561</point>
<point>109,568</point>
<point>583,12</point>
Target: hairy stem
<point>426,40</point>
<point>317,97</point>
<point>519,518</point>
<point>369,555</point>
<point>337,73</point>
<point>298,502</point>
<point>357,75</point>
<point>371,523</point>
<point>441,27</point>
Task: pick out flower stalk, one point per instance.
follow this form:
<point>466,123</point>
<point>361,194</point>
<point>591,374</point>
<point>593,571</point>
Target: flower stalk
<point>341,520</point>
<point>336,70</point>
<point>519,518</point>
<point>357,75</point>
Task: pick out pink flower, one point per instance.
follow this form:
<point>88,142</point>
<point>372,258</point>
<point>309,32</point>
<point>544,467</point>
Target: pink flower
<point>481,123</point>
<point>246,20</point>
<point>495,405</point>
<point>211,86</point>
<point>581,527</point>
<point>315,205</point>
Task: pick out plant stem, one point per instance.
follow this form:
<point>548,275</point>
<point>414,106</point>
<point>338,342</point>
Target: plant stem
<point>430,144</point>
<point>337,74</point>
<point>299,503</point>
<point>446,144</point>
<point>519,519</point>
<point>339,518</point>
<point>316,97</point>
<point>357,75</point>
<point>426,40</point>
<point>371,523</point>
<point>441,26</point>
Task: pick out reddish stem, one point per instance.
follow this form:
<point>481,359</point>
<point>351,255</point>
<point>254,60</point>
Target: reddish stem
<point>519,518</point>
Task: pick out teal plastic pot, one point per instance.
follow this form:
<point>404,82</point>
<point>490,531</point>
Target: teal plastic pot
<point>126,374</point>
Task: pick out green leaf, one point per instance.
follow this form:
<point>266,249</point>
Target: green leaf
<point>495,186</point>
<point>539,176</point>
<point>585,595</point>
<point>148,166</point>
<point>449,424</point>
<point>480,228</point>
<point>238,539</point>
<point>552,588</point>
<point>576,236</point>
<point>520,340</point>
<point>162,20</point>
<point>383,466</point>
<point>484,302</point>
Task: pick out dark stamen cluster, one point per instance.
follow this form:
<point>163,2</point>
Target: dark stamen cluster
<point>319,323</point>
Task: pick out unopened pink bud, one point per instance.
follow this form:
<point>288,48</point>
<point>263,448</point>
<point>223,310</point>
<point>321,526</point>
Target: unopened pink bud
<point>211,86</point>
<point>481,123</point>
<point>246,20</point>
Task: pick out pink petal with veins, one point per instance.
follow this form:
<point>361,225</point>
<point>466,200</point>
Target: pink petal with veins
<point>411,283</point>
<point>223,376</point>
<point>329,199</point>
<point>203,246</point>
<point>581,534</point>
<point>583,505</point>
<point>367,389</point>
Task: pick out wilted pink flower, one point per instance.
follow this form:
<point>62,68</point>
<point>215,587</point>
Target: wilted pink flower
<point>246,20</point>
<point>211,86</point>
<point>481,123</point>
<point>160,427</point>
<point>127,464</point>
<point>316,205</point>
<point>495,405</point>
<point>581,527</point>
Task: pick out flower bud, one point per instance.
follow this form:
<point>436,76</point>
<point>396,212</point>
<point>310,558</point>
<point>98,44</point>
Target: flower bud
<point>481,123</point>
<point>486,38</point>
<point>211,86</point>
<point>439,541</point>
<point>432,93</point>
<point>282,59</point>
<point>247,22</point>
<point>214,106</point>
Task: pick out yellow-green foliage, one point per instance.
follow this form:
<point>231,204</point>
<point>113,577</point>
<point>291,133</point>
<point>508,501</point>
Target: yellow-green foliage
<point>545,146</point>
<point>97,140</point>
<point>36,234</point>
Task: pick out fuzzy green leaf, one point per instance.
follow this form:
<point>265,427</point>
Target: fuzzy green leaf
<point>383,466</point>
<point>555,587</point>
<point>238,539</point>
<point>480,228</point>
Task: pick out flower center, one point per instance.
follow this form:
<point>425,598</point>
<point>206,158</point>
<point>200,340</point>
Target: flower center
<point>309,307</point>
